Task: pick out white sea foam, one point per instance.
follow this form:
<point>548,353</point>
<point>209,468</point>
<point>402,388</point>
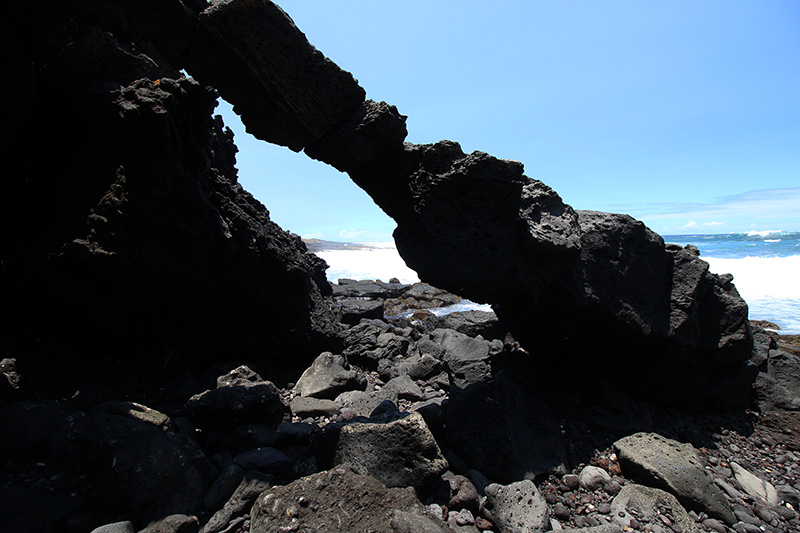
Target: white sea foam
<point>769,285</point>
<point>763,233</point>
<point>372,261</point>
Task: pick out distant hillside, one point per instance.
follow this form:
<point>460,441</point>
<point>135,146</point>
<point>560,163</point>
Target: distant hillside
<point>319,245</point>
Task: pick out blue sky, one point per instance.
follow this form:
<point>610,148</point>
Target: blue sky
<point>683,114</point>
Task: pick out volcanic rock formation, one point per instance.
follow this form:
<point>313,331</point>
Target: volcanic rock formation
<point>141,231</point>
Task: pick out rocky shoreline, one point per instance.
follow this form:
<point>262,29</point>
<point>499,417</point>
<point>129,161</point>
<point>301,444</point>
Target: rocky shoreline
<point>435,410</point>
<point>173,361</point>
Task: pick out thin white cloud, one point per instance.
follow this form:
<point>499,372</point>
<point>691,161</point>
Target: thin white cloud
<point>352,233</point>
<point>738,212</point>
<point>316,235</point>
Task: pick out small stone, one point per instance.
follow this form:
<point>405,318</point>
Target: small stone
<point>561,511</point>
<point>593,478</point>
<point>436,510</point>
<point>765,514</point>
<point>714,525</point>
<point>482,524</point>
<point>783,459</point>
<point>785,512</point>
<point>613,488</point>
<point>571,481</point>
<point>744,527</point>
<point>744,515</point>
<point>465,518</point>
<point>758,488</point>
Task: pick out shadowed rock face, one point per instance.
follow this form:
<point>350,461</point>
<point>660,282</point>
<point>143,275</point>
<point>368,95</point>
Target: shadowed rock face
<point>589,286</point>
<point>126,230</point>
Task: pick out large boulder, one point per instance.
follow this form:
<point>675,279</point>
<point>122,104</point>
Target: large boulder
<point>778,384</point>
<point>327,377</point>
<point>504,432</point>
<point>138,468</point>
<point>398,450</point>
<point>645,504</point>
<point>340,500</point>
<point>675,467</point>
<point>237,401</point>
<point>516,508</point>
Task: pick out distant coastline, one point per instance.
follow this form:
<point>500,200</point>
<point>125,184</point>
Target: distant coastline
<point>321,245</point>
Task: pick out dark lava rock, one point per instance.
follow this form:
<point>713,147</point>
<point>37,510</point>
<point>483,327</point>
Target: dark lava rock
<point>234,405</point>
<point>377,290</point>
<point>502,431</point>
<point>237,508</point>
<point>778,386</point>
<point>328,376</point>
<point>340,500</point>
<point>516,507</point>
<point>244,49</point>
<point>372,340</point>
<point>471,323</point>
<point>141,227</point>
<point>352,310</point>
<point>139,468</point>
<point>675,467</point>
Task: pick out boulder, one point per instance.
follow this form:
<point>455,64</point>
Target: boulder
<point>471,323</point>
<point>465,358</point>
<point>237,508</point>
<point>27,426</point>
<point>367,289</point>
<point>516,508</point>
<point>139,468</point>
<point>400,452</point>
<point>223,487</point>
<point>116,527</point>
<point>498,428</point>
<point>675,467</point>
<point>761,490</point>
<point>646,503</point>
<point>406,388</point>
<point>135,410</point>
<point>340,500</point>
<point>305,407</point>
<point>605,528</point>
<point>234,405</point>
<point>264,459</point>
<point>778,385</point>
<point>353,311</point>
<point>177,523</point>
<point>592,478</point>
<point>328,376</point>
<point>463,494</point>
<point>418,366</point>
<point>363,403</point>
<point>372,340</point>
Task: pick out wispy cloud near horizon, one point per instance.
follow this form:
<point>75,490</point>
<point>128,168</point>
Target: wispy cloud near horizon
<point>756,209</point>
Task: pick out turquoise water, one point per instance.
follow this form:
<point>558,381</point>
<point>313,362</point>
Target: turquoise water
<point>740,245</point>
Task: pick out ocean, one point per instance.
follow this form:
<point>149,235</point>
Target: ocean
<point>765,267</point>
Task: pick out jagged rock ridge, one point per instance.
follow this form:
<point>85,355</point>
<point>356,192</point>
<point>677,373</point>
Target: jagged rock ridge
<point>469,223</point>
